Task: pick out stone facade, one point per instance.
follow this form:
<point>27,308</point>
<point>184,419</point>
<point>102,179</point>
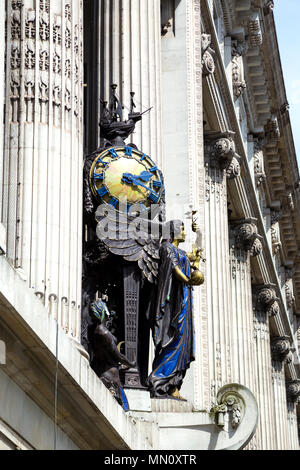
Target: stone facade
<point>220,130</point>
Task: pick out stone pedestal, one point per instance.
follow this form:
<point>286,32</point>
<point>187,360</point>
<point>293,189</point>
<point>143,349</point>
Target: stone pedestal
<point>42,206</point>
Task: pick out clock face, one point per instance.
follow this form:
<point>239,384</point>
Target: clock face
<point>126,179</point>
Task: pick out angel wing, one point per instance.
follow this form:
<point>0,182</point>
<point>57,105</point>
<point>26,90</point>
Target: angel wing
<point>135,239</point>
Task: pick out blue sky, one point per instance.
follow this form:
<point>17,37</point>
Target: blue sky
<point>287,18</point>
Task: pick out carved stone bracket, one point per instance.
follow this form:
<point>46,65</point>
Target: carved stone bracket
<point>284,108</point>
<point>293,390</point>
<point>289,288</point>
<point>247,237</point>
<point>275,231</point>
<point>238,50</point>
<point>254,31</point>
<point>266,300</point>
<point>221,150</point>
<point>269,7</point>
<point>272,130</point>
<point>281,349</point>
<point>208,63</point>
<point>259,170</point>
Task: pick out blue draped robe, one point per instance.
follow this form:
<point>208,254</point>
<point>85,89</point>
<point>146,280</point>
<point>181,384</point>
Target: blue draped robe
<point>173,324</point>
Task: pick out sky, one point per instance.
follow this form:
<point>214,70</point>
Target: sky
<point>287,18</point>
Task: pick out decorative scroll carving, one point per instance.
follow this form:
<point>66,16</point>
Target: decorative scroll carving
<point>293,390</point>
<point>259,170</point>
<point>254,31</point>
<point>29,84</point>
<point>15,60</point>
<point>30,28</point>
<point>222,154</point>
<point>275,231</point>
<point>57,30</point>
<point>208,63</point>
<point>289,288</point>
<point>56,63</point>
<point>239,84</point>
<point>30,55</point>
<point>44,27</point>
<point>16,25</point>
<point>44,60</point>
<point>281,349</point>
<point>230,403</point>
<point>247,237</point>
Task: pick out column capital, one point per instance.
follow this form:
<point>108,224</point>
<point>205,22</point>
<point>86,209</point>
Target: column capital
<point>281,349</point>
<point>293,390</point>
<point>266,299</point>
<point>220,147</point>
<point>246,236</point>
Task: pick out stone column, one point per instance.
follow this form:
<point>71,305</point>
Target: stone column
<point>265,305</point>
<point>2,78</point>
<point>42,207</point>
<point>244,243</point>
<point>221,163</point>
<point>281,354</point>
<point>130,56</point>
<point>293,394</point>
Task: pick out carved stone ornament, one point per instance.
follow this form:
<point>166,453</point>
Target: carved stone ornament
<point>269,7</point>
<point>293,390</point>
<point>254,31</point>
<point>222,154</point>
<point>272,130</point>
<point>289,288</point>
<point>231,404</point>
<point>284,108</point>
<point>275,231</point>
<point>234,169</point>
<point>266,300</point>
<point>259,170</point>
<point>208,63</point>
<point>239,84</point>
<point>281,349</point>
<point>247,237</point>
